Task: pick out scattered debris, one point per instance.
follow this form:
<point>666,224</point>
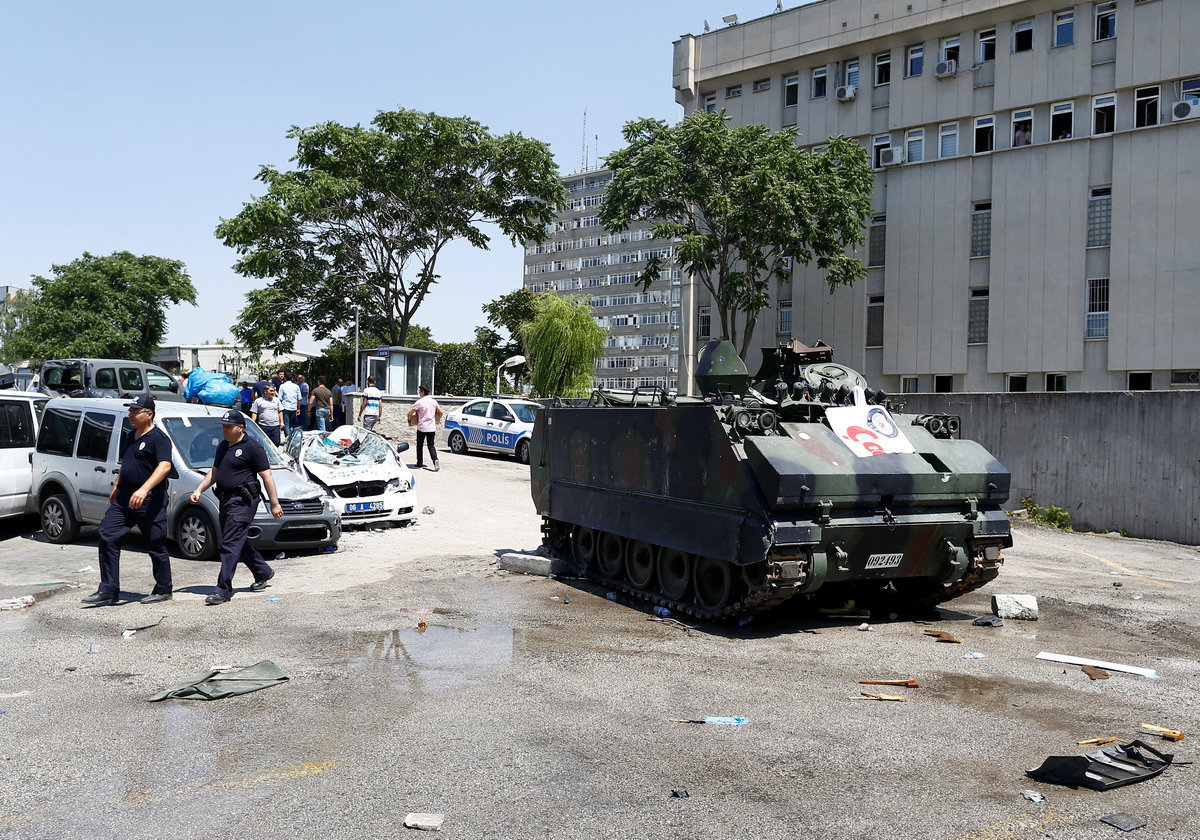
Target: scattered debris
<point>1117,584</point>
<point>1095,673</point>
<point>18,694</point>
<point>1137,596</point>
<point>1016,607</point>
<point>566,599</point>
<point>128,632</point>
<point>1110,767</point>
<point>1148,673</point>
<point>217,684</point>
<point>1125,822</point>
<point>94,647</point>
<point>421,626</point>
<point>16,603</point>
<point>1098,741</point>
<point>1163,732</point>
<point>943,636</point>
<point>281,556</point>
<point>274,598</point>
<point>973,655</point>
<point>662,612</point>
<point>680,794</point>
<point>612,596</point>
<point>906,683</point>
<point>899,698</point>
<point>427,510</point>
<point>721,721</point>
<point>1033,796</point>
<point>988,621</point>
<point>865,626</point>
<point>425,822</point>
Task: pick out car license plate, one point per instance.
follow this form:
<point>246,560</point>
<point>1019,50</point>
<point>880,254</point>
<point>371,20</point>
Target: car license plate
<point>362,507</point>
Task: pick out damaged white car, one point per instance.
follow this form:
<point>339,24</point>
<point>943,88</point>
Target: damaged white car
<point>361,470</point>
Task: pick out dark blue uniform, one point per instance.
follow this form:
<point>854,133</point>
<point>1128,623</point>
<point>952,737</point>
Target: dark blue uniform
<point>140,459</point>
<point>238,466</point>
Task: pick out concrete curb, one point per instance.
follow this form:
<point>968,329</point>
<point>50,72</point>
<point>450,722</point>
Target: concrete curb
<point>534,564</point>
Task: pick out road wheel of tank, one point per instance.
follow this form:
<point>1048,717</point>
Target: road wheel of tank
<point>195,535</point>
<point>639,563</point>
<point>583,546</point>
<point>714,582</point>
<point>610,555</point>
<point>674,573</point>
<point>458,443</point>
<point>523,451</point>
<point>59,524</point>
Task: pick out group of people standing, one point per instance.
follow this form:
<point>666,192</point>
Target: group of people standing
<point>285,402</point>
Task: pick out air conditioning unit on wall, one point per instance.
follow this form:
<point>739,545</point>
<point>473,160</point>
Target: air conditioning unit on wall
<point>892,156</point>
<point>845,93</point>
<point>1185,110</point>
<point>945,69</point>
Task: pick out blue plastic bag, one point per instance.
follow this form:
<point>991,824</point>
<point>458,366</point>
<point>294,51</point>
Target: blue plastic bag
<point>210,388</point>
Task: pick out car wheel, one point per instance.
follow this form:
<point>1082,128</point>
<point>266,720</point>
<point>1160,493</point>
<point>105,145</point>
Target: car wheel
<point>458,443</point>
<point>195,535</point>
<point>523,451</point>
<point>59,524</point>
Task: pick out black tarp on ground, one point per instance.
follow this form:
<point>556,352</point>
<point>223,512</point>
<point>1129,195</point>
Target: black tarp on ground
<point>217,684</point>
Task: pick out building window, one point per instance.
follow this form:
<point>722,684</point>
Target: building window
<point>943,384</point>
<point>1018,383</point>
<point>704,322</point>
<point>1056,382</point>
<point>1022,36</point>
<point>948,140</point>
<point>985,134</point>
<point>732,91</point>
<point>916,146</point>
<point>1141,381</point>
<point>877,242</point>
<point>1190,91</point>
<point>1104,113</point>
<point>1062,118</point>
<point>1145,107</point>
<point>1106,21</point>
<point>916,60</point>
<point>981,229</point>
<point>909,384</point>
<point>1097,311</point>
<point>852,73</point>
<point>820,79</point>
<point>987,45</point>
<point>977,317</point>
<point>785,318</point>
<point>1099,224</point>
<point>878,145</point>
<point>875,321</point>
<point>1022,124</point>
<point>949,50</point>
<point>1064,29</point>
<point>761,85</point>
<point>710,103</point>
<point>883,69</point>
<point>1185,377</point>
<point>791,91</point>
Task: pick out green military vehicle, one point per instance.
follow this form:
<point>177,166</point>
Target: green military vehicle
<point>797,486</point>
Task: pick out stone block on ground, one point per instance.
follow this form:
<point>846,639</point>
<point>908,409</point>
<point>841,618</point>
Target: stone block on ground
<point>1016,607</point>
<point>425,822</point>
<point>532,563</point>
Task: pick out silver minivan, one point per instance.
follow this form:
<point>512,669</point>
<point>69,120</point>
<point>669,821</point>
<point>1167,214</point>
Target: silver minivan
<point>119,378</point>
<point>78,452</point>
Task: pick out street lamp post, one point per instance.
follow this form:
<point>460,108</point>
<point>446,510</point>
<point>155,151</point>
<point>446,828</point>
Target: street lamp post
<point>511,361</point>
<point>358,380</point>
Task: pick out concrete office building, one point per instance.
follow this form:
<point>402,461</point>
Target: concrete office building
<point>1037,194</point>
<point>580,257</point>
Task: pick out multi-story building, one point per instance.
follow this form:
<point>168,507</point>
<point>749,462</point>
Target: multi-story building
<point>580,257</point>
<point>1037,188</point>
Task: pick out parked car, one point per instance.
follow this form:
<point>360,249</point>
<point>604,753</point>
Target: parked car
<point>494,424</point>
<point>78,451</point>
<point>361,471</point>
<point>20,414</point>
<point>120,378</point>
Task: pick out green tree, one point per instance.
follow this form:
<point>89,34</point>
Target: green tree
<point>365,214</point>
<point>511,312</point>
<point>107,307</point>
<point>458,368</point>
<point>740,201</point>
<point>564,342</point>
<point>13,313</point>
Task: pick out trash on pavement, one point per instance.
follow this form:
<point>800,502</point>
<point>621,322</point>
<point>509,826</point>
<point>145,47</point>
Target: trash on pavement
<point>1094,672</point>
<point>281,556</point>
<point>1137,596</point>
<point>274,598</point>
<point>129,631</point>
<point>679,794</point>
<point>94,647</point>
<point>943,636</point>
<point>217,684</point>
<point>1148,673</point>
<point>128,634</point>
<point>425,822</point>
<point>988,621</point>
<point>898,698</point>
<point>662,612</point>
<point>566,599</point>
<point>1033,796</point>
<point>864,626</point>
<point>1110,767</point>
<point>427,510</point>
<point>612,596</point>
<point>720,721</point>
<point>421,626</point>
<point>1016,607</point>
<point>1162,732</point>
<point>17,694</point>
<point>16,603</point>
<point>1125,822</point>
<point>905,683</point>
<point>973,655</point>
<point>1108,740</point>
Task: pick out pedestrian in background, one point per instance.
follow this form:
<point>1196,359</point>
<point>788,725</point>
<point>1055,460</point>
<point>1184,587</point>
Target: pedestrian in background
<point>138,499</point>
<point>338,414</point>
<point>265,412</point>
<point>428,414</point>
<point>305,404</point>
<point>348,389</point>
<point>239,464</point>
<point>246,397</point>
<point>371,410</point>
<point>260,387</point>
<point>289,398</point>
<point>321,403</point>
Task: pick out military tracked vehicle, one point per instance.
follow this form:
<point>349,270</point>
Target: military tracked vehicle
<point>795,486</point>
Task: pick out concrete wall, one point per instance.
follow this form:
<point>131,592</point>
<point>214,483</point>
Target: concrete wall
<point>1117,460</point>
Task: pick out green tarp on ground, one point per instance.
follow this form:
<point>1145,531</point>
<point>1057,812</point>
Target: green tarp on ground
<point>217,684</point>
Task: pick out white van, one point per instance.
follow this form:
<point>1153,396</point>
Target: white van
<point>20,416</point>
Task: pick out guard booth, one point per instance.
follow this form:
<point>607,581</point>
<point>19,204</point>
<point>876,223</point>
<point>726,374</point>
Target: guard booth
<point>399,371</point>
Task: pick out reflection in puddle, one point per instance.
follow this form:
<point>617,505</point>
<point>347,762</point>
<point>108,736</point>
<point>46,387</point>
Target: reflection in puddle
<point>438,657</point>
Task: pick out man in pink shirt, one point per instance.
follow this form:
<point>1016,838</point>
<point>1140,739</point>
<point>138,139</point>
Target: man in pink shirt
<point>429,414</point>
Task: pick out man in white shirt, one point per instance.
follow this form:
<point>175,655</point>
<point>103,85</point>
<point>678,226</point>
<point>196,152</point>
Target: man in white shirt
<point>289,396</point>
<point>371,410</point>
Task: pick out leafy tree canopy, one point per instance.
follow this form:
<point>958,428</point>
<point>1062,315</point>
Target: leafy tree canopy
<point>510,312</point>
<point>363,217</point>
<point>563,341</point>
<point>741,200</point>
<point>102,307</point>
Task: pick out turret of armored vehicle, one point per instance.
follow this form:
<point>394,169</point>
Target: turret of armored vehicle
<point>797,483</point>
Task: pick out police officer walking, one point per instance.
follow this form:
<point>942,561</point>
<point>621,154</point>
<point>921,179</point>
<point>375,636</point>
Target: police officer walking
<point>138,499</point>
<point>240,461</point>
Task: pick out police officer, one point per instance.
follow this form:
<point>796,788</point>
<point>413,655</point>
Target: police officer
<point>138,499</point>
<point>240,461</point>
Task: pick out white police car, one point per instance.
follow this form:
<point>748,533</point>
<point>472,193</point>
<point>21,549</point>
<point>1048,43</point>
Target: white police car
<point>494,424</point>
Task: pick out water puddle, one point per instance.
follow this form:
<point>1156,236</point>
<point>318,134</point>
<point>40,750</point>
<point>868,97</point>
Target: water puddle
<point>433,659</point>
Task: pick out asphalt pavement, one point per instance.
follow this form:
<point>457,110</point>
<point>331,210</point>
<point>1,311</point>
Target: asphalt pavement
<point>423,679</point>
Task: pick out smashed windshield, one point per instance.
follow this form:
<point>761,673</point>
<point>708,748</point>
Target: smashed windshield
<point>363,448</point>
<point>196,438</point>
<point>63,377</point>
<point>526,412</point>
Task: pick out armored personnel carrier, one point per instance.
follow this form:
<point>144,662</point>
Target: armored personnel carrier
<point>797,485</point>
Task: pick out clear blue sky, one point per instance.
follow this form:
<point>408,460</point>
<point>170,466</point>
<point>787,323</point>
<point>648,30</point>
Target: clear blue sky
<point>138,125</point>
